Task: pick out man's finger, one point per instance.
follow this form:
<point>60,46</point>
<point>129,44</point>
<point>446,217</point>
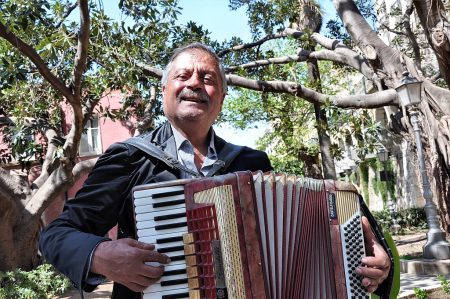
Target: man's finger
<point>154,256</point>
<point>369,236</point>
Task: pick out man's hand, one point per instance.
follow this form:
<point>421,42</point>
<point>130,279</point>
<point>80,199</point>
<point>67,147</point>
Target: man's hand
<point>376,265</point>
<point>123,261</point>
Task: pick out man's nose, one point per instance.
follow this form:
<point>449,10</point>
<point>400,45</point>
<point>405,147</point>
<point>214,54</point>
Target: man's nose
<point>194,82</point>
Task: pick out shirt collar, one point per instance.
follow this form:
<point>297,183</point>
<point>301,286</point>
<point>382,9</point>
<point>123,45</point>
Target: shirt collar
<point>180,139</point>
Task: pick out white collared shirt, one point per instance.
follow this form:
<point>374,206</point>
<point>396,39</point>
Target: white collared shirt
<point>185,153</point>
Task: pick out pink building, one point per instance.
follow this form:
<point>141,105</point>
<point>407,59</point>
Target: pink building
<point>100,133</point>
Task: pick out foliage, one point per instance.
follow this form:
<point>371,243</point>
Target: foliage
<point>145,34</point>
<point>420,293</point>
<point>42,282</point>
<point>266,17</point>
<point>444,284</point>
<point>408,219</point>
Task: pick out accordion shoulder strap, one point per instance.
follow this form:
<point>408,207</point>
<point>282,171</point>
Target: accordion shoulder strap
<point>228,153</point>
<point>154,151</point>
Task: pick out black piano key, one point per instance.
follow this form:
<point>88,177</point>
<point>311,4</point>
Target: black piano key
<point>177,258</point>
<point>170,225</point>
<point>168,203</point>
<point>167,194</point>
<point>173,282</point>
<point>170,216</point>
<point>176,296</point>
<point>174,272</point>
<point>169,240</point>
<point>170,249</point>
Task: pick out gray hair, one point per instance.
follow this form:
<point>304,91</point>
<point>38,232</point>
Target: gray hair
<point>200,47</point>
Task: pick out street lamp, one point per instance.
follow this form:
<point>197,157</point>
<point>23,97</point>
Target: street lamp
<point>383,156</point>
<point>436,246</point>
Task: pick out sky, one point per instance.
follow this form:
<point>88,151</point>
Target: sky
<point>223,24</point>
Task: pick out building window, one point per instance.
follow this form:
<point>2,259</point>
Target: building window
<point>90,143</point>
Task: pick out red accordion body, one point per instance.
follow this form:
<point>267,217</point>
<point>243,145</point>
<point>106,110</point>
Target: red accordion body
<point>245,235</point>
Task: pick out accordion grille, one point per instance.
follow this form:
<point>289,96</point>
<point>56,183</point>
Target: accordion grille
<point>347,205</point>
<point>222,198</point>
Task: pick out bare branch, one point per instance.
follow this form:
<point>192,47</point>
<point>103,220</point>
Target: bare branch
<point>82,168</point>
<point>148,120</point>
<point>48,165</point>
<point>375,100</point>
<point>31,53</point>
<point>384,26</point>
<point>355,60</point>
<point>412,38</point>
<point>268,61</point>
<point>82,48</point>
<point>251,45</point>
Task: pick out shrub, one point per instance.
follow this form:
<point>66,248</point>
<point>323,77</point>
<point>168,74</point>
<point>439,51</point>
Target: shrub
<point>420,293</point>
<point>408,219</point>
<point>445,284</point>
<point>42,282</point>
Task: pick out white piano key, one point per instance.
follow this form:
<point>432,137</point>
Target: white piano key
<point>150,192</point>
<point>154,239</point>
<point>152,223</point>
<point>154,288</point>
<point>153,231</point>
<point>159,295</point>
<point>143,217</point>
<point>149,201</point>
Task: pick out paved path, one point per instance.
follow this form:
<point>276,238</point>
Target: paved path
<point>409,281</point>
<point>407,284</point>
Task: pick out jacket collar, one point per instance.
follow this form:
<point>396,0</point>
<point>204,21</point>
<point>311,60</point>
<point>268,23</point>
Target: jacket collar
<point>164,139</point>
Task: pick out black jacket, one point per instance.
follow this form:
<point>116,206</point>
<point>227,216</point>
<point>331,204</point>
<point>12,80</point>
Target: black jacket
<point>105,200</point>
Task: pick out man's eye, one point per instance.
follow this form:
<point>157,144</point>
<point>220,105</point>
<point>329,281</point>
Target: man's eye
<point>182,76</point>
<point>208,79</point>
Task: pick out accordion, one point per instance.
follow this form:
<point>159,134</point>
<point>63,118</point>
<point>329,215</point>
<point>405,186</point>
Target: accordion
<point>253,235</point>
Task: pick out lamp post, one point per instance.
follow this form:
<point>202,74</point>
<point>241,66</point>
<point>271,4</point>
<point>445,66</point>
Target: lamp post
<point>436,246</point>
<point>383,156</point>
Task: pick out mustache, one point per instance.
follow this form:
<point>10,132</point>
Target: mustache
<point>199,95</point>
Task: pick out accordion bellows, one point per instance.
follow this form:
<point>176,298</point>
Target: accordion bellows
<point>253,235</point>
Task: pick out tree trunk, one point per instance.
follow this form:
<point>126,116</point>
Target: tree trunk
<point>18,239</point>
<point>310,19</point>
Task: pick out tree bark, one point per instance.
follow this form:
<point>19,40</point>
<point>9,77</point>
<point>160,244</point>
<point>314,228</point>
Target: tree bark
<point>436,27</point>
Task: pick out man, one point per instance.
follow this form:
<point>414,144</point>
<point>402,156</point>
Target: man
<point>194,88</point>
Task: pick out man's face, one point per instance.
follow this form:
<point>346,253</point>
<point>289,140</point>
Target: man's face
<point>193,90</point>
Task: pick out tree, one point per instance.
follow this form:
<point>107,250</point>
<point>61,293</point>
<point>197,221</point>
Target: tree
<point>382,65</point>
<point>48,59</point>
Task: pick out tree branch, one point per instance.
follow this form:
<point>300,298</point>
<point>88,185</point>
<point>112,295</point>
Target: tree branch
<point>48,165</point>
<point>31,53</point>
<point>251,45</point>
<point>412,38</point>
<point>82,48</point>
<point>374,100</point>
<point>82,168</point>
<point>66,14</point>
<point>355,61</point>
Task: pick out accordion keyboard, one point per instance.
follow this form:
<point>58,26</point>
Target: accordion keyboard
<point>161,220</point>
